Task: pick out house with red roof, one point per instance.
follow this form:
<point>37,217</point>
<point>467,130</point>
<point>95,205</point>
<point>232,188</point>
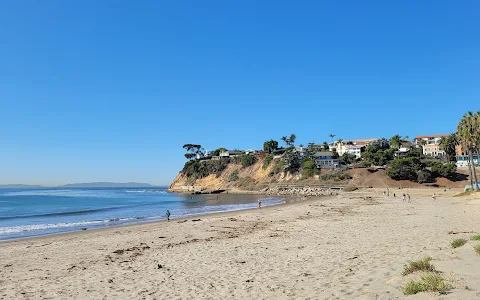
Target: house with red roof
<point>430,144</point>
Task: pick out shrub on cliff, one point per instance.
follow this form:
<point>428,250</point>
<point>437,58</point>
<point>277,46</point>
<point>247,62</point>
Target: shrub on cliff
<point>247,160</point>
<point>201,169</point>
<point>310,169</point>
<point>335,176</point>
<point>246,183</point>
<point>267,159</point>
<point>278,166</point>
<point>233,176</point>
<point>292,160</point>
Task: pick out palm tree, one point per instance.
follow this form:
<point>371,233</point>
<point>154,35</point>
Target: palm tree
<point>475,142</point>
<point>476,132</point>
<point>332,136</point>
<point>292,139</point>
<point>448,144</point>
<point>285,140</point>
<point>468,137</point>
<point>395,141</point>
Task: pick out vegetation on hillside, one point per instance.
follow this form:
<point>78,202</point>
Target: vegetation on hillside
<point>407,164</point>
<point>378,153</point>
<point>200,169</point>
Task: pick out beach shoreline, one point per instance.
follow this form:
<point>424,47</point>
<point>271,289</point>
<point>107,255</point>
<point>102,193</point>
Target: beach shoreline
<point>289,200</point>
<point>349,246</point>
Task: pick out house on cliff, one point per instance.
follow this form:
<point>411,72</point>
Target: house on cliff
<point>326,160</point>
<point>231,153</point>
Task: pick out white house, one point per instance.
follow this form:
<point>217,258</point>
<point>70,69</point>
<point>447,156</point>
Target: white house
<point>430,144</point>
<point>231,153</point>
<point>351,146</point>
<point>205,155</point>
<point>353,149</point>
<point>252,151</point>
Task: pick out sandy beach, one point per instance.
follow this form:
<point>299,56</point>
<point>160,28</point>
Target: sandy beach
<point>350,246</point>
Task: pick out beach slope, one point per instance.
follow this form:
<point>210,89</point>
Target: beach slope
<point>352,246</point>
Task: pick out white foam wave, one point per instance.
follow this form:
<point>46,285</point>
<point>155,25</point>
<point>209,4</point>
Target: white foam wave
<point>24,228</point>
<point>175,213</point>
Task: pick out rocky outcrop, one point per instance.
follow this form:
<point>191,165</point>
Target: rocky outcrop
<point>301,191</point>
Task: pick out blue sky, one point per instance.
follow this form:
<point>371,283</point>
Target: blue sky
<point>111,90</point>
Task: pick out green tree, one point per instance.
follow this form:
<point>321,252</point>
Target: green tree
<point>325,146</point>
<point>310,152</point>
<point>233,176</point>
<point>448,145</point>
<point>469,139</point>
<point>218,151</point>
<point>193,150</point>
<point>270,146</point>
<point>375,146</point>
<point>395,141</point>
<point>247,160</point>
<point>292,139</point>
<point>439,169</point>
<point>309,169</point>
<point>334,153</point>
<point>339,142</point>
<point>378,153</point>
<point>292,160</point>
<point>405,169</point>
<point>267,159</point>
<point>348,158</point>
<point>289,141</point>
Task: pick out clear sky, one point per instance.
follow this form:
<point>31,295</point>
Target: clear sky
<point>111,90</point>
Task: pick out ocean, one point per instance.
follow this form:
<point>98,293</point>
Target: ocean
<point>36,212</point>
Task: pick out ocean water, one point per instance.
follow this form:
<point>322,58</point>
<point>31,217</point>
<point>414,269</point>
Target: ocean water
<point>35,212</point>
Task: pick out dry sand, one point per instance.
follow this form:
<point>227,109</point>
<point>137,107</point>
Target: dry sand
<point>345,247</point>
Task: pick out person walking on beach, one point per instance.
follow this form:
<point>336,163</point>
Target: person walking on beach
<point>394,196</point>
<point>408,195</point>
<point>403,197</point>
<point>168,215</point>
<point>259,203</point>
<point>434,198</point>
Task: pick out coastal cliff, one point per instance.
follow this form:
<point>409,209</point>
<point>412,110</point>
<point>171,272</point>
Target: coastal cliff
<point>234,177</point>
<point>263,177</point>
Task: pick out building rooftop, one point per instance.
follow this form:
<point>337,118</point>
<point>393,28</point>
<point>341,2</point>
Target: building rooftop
<point>431,136</point>
<point>323,153</point>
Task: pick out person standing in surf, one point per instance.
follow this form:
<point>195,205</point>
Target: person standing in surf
<point>168,215</point>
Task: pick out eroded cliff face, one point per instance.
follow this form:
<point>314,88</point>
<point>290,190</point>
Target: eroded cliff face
<point>252,178</point>
<point>255,178</point>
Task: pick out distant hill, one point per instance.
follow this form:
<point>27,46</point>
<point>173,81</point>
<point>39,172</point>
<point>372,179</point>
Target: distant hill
<point>20,186</point>
<point>107,185</point>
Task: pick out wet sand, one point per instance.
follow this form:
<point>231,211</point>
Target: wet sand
<point>351,246</point>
